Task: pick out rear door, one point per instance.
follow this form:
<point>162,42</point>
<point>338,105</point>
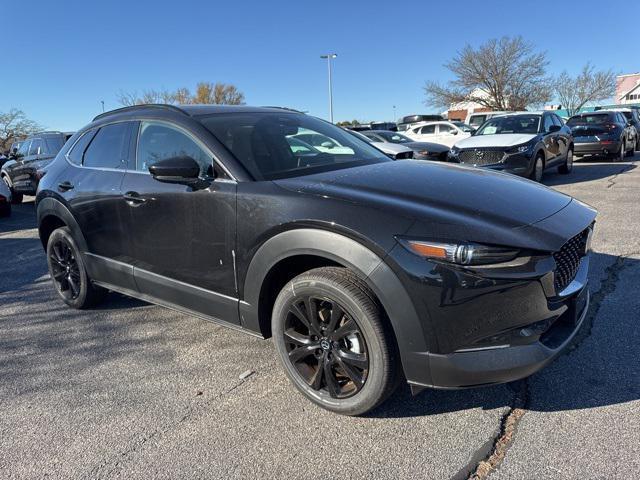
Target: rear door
<point>92,187</point>
<point>183,238</point>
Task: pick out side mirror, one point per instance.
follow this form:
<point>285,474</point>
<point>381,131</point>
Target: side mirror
<point>327,145</point>
<point>454,132</point>
<point>554,128</point>
<point>183,169</point>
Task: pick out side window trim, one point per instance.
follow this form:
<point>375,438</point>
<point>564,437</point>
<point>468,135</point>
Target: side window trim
<point>216,162</point>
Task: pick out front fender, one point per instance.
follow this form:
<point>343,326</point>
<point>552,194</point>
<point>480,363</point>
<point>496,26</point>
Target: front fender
<point>406,325</point>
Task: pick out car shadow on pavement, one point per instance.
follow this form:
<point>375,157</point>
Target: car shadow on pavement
<point>589,169</point>
<point>601,367</point>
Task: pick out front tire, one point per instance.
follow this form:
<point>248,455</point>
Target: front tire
<point>68,272</point>
<point>16,198</point>
<point>332,341</point>
<point>538,168</point>
<point>568,164</point>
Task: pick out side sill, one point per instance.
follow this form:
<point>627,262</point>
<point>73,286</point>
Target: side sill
<point>177,308</point>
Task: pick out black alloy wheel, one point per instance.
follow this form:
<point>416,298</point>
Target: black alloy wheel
<point>68,272</point>
<point>65,271</point>
<point>326,346</point>
<point>334,341</point>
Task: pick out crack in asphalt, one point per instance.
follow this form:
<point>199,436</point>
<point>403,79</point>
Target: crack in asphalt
<point>490,460</point>
<point>116,462</point>
<point>612,180</point>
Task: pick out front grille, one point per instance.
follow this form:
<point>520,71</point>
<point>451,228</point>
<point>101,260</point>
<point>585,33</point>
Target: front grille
<point>404,155</point>
<point>481,157</point>
<point>568,260</point>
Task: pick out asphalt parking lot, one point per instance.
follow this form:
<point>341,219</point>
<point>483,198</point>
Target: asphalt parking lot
<point>131,390</point>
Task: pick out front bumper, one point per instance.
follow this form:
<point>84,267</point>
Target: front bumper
<point>519,164</point>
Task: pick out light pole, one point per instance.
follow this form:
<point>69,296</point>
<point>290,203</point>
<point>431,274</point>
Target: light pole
<point>394,113</point>
<point>102,102</point>
<point>329,56</point>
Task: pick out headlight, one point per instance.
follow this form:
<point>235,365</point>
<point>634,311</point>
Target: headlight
<point>521,148</point>
<point>454,151</point>
<point>459,253</point>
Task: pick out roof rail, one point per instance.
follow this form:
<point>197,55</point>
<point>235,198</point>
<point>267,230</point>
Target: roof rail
<point>283,108</point>
<point>45,132</point>
<point>139,107</point>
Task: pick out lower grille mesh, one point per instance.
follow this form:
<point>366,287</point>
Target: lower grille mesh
<point>481,157</point>
<point>568,260</point>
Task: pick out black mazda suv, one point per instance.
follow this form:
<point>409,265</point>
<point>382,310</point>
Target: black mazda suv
<point>364,270</point>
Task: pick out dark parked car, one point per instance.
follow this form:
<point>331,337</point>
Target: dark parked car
<point>5,200</point>
<point>29,163</point>
<point>525,144</point>
<point>364,270</point>
<point>606,133</point>
<point>421,150</point>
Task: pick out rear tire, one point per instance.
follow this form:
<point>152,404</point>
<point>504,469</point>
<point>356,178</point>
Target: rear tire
<point>333,342</point>
<point>629,153</point>
<point>568,164</point>
<point>68,272</point>
<point>16,198</point>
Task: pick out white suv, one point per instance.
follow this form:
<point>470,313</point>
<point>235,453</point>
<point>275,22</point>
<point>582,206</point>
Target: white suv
<point>444,133</point>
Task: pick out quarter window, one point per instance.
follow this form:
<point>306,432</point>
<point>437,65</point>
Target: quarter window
<point>108,149</point>
<point>159,141</point>
<point>77,152</point>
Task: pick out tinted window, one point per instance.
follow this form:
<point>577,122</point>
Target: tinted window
<point>548,123</point>
<point>261,142</point>
<point>108,149</point>
<point>77,152</point>
<point>444,128</point>
<point>594,118</point>
<point>395,137</point>
<point>54,145</point>
<point>510,124</point>
<point>556,120</point>
<point>159,141</point>
<point>24,149</point>
<point>36,147</point>
<point>428,130</point>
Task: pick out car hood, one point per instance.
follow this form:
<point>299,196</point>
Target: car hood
<point>498,140</point>
<point>430,147</point>
<point>456,201</point>
<point>392,148</point>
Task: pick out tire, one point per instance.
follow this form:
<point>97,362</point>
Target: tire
<point>16,198</point>
<point>5,209</point>
<point>538,168</point>
<point>568,164</point>
<point>68,272</point>
<point>345,356</point>
<point>619,155</point>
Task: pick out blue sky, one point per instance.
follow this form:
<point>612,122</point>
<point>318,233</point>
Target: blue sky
<point>61,58</point>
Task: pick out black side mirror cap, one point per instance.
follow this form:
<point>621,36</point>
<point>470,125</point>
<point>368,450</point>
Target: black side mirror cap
<point>182,169</point>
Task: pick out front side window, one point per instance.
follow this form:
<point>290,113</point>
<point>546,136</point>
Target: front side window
<point>548,123</point>
<point>446,129</point>
<point>108,149</point>
<point>23,151</point>
<point>510,124</point>
<point>160,141</point>
<point>279,145</point>
<point>36,147</point>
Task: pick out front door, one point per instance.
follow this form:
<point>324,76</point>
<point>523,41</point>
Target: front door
<point>183,238</point>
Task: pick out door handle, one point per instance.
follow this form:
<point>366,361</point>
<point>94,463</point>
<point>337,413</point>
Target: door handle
<point>65,186</point>
<point>133,198</point>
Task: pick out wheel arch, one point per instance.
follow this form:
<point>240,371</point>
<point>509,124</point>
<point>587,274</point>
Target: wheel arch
<point>52,214</point>
<point>323,248</point>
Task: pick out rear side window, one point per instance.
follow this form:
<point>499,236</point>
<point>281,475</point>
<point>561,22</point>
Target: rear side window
<point>77,152</point>
<point>108,149</point>
<point>428,130</point>
<point>54,144</point>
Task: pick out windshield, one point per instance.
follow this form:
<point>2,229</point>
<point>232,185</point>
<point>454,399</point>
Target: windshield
<point>510,124</point>
<point>394,137</point>
<point>280,145</point>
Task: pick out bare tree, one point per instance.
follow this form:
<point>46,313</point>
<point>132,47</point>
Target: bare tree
<point>502,74</point>
<point>589,86</point>
<point>206,92</point>
<point>15,125</point>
